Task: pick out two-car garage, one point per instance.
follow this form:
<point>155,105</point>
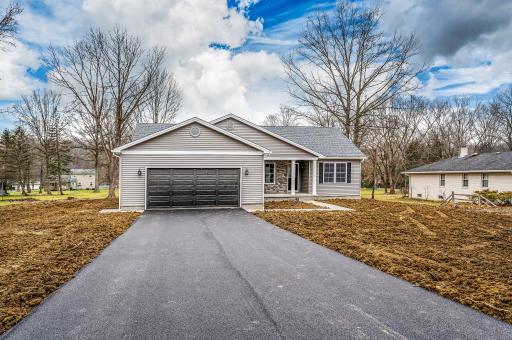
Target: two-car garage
<point>192,187</point>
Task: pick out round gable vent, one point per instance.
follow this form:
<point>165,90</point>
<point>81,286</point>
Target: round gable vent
<point>230,125</point>
<point>195,131</point>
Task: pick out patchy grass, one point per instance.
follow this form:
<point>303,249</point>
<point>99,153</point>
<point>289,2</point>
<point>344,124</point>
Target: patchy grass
<point>290,205</point>
<point>398,197</point>
<point>462,254</point>
<point>43,245</point>
<point>17,197</point>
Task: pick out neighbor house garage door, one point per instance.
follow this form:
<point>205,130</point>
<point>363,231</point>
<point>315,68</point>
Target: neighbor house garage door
<point>183,188</point>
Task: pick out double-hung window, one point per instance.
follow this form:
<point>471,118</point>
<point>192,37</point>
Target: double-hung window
<point>270,173</point>
<point>485,180</point>
<point>335,172</point>
<point>329,172</point>
<point>442,180</point>
<point>465,180</point>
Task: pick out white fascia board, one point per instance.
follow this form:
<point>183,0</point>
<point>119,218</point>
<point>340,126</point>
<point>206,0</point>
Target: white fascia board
<point>257,127</point>
<point>190,152</point>
<point>185,123</point>
<point>289,158</point>
<point>408,173</point>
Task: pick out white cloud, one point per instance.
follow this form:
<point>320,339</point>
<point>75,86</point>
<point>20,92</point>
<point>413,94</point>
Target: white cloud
<point>214,81</point>
<point>14,80</point>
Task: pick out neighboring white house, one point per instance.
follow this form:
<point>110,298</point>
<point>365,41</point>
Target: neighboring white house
<point>233,162</point>
<point>77,179</point>
<point>464,174</point>
<point>85,178</point>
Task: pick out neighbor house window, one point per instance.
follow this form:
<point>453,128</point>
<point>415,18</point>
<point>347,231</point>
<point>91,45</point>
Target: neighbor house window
<point>485,180</point>
<point>335,172</point>
<point>270,173</point>
<point>442,180</point>
<point>465,180</point>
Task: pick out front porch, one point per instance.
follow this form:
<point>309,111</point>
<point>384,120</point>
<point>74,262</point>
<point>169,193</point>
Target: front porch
<point>290,179</point>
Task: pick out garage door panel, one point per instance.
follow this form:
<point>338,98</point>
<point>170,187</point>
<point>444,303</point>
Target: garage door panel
<point>201,187</point>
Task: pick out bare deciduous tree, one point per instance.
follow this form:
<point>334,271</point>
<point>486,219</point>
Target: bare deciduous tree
<point>502,110</point>
<point>346,67</point>
<point>131,69</point>
<point>38,112</point>
<point>285,117</point>
<point>164,100</point>
<point>112,80</point>
<point>9,25</point>
<point>80,71</point>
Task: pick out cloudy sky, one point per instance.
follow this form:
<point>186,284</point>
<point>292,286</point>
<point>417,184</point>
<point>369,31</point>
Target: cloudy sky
<point>225,55</point>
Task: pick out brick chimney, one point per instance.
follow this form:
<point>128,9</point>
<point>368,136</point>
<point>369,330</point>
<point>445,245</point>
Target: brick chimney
<point>463,151</point>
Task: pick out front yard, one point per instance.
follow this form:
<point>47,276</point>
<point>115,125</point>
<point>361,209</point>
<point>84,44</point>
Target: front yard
<point>43,244</point>
<point>463,254</point>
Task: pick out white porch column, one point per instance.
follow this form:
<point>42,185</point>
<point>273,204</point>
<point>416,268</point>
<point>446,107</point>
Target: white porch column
<point>293,177</point>
<point>313,187</point>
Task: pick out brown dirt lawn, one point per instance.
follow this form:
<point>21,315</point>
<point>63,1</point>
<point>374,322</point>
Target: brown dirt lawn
<point>43,244</point>
<point>290,205</point>
<point>462,254</point>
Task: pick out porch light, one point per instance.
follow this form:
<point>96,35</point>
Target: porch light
<point>139,172</point>
<point>246,172</point>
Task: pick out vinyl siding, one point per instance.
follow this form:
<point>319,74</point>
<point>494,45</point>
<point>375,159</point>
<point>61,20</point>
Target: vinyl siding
<point>427,185</point>
<point>352,189</point>
<point>132,186</point>
<point>279,148</point>
<point>180,139</point>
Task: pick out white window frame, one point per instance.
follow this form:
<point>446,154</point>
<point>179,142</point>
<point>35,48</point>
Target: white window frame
<point>484,177</point>
<point>465,179</point>
<point>265,172</point>
<point>442,180</point>
<point>335,171</point>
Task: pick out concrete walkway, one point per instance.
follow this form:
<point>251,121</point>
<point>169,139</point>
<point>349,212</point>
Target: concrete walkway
<point>225,274</point>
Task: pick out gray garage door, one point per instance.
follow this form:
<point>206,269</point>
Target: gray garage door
<point>184,188</point>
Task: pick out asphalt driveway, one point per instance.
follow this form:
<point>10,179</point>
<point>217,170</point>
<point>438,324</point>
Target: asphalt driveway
<point>226,274</point>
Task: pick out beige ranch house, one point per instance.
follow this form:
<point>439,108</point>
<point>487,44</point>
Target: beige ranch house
<point>231,162</point>
<point>464,174</point>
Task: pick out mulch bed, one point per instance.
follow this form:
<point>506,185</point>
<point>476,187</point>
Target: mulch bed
<point>462,254</point>
<point>290,205</point>
<point>43,245</point>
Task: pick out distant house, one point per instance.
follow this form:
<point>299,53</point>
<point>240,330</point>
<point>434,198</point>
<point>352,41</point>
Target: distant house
<point>464,174</point>
<point>77,179</point>
<point>85,178</point>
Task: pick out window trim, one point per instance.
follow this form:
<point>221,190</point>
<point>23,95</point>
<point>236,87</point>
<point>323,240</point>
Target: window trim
<point>442,180</point>
<point>265,172</point>
<point>335,172</point>
<point>482,179</point>
<point>465,179</point>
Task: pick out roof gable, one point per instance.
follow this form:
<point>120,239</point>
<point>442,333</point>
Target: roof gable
<point>218,121</point>
<point>165,130</point>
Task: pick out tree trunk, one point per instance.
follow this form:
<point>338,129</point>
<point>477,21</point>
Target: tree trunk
<point>48,191</point>
<point>41,179</point>
<point>112,178</point>
<point>96,173</point>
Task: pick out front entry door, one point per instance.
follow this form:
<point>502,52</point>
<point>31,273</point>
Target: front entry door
<point>297,177</point>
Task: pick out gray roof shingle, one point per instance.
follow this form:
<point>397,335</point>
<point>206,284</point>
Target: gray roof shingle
<point>330,142</point>
<point>146,129</point>
<point>477,162</point>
